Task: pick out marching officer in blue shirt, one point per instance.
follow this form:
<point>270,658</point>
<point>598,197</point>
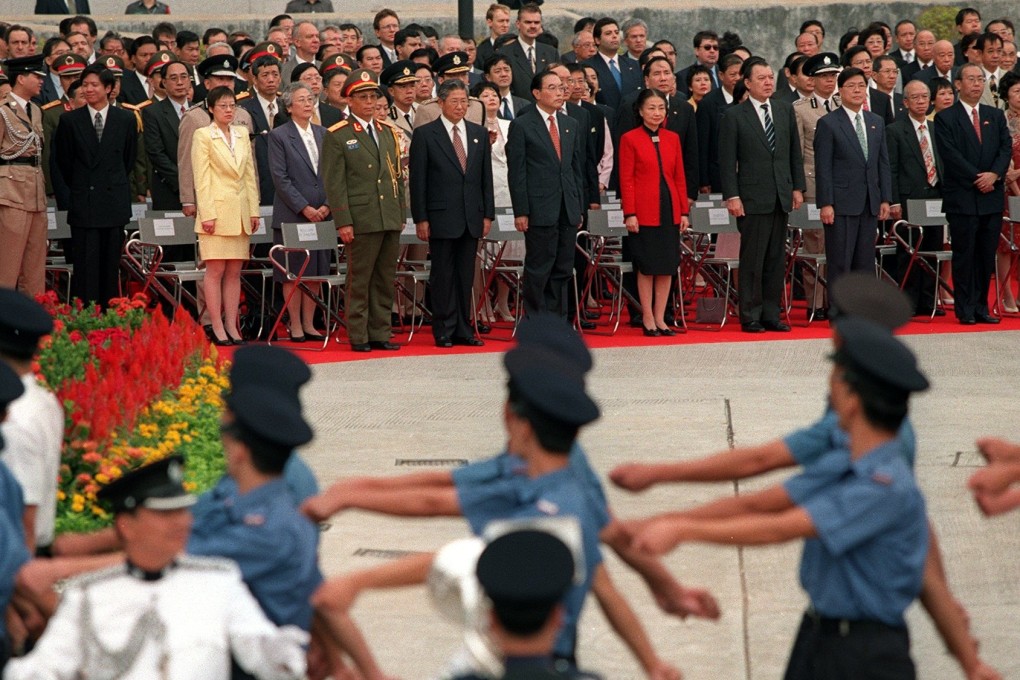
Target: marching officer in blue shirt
<point>862,517</point>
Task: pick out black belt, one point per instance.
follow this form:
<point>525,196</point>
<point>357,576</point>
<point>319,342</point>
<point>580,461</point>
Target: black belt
<point>33,161</point>
<point>848,627</point>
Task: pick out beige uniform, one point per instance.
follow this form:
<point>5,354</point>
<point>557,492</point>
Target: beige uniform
<point>429,111</point>
<point>22,198</point>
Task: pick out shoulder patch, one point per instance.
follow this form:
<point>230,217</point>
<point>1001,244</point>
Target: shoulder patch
<point>337,126</point>
<point>92,577</point>
<point>242,95</point>
<point>195,562</point>
<point>55,102</point>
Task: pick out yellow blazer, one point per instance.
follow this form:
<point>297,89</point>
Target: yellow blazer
<point>225,186</point>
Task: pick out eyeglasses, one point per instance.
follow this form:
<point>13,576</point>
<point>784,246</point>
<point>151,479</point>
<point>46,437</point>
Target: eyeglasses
<point>710,48</point>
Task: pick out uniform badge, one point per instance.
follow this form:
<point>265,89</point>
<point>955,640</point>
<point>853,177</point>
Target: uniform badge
<point>175,472</point>
<point>456,60</point>
<point>226,63</point>
<point>357,127</point>
<point>407,71</point>
<point>352,144</point>
<point>254,520</point>
<point>365,77</point>
<point>165,58</point>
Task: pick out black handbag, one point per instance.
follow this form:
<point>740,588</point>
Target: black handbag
<point>710,310</point>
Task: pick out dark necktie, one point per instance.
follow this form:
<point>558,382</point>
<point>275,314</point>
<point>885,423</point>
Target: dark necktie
<point>99,126</point>
<point>506,113</point>
<point>770,130</point>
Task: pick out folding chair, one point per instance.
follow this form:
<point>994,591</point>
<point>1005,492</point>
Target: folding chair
<point>1014,254</point>
<point>804,219</point>
<point>909,234</point>
<point>715,262</point>
<point>500,269</point>
<point>298,242</point>
<point>605,267</point>
<point>57,229</point>
<point>143,253</point>
<point>412,277</point>
<point>258,271</point>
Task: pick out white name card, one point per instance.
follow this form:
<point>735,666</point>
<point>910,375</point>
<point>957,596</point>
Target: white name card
<point>307,232</point>
<point>174,214</point>
<point>163,227</point>
<point>814,213</point>
<point>718,217</point>
<point>51,221</point>
<point>505,223</point>
<point>933,209</point>
<point>615,219</point>
<point>715,197</point>
<point>138,211</point>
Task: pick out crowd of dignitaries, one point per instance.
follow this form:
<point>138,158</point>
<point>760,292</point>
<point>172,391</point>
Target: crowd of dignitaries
<point>95,124</point>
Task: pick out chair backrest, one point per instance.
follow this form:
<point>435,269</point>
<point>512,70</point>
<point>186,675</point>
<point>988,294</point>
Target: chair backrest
<point>168,229</point>
<point>727,246</point>
<point>606,223</point>
<point>925,213</point>
<point>409,234</point>
<point>310,235</point>
<point>263,234</point>
<point>806,217</point>
<point>712,220</point>
<point>503,228</point>
<point>56,225</point>
<point>1014,208</point>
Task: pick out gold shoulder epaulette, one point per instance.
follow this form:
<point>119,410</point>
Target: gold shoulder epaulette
<point>242,95</point>
<point>142,105</point>
<point>337,126</point>
<point>55,102</point>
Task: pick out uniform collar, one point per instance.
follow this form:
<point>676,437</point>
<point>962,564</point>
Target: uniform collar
<point>149,576</point>
<point>251,507</point>
<point>880,455</point>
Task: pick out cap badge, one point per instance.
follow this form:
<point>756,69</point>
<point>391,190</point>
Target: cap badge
<point>164,57</point>
<point>407,71</point>
<point>826,61</point>
<point>69,60</point>
<point>174,472</point>
<point>456,60</point>
<point>365,77</point>
<point>226,63</point>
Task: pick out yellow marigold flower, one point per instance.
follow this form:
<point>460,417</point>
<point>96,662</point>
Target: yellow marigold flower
<point>102,479</point>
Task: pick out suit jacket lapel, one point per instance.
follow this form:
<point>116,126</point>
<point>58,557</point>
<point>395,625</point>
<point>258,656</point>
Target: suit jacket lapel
<point>755,122</point>
<point>298,143</point>
<point>446,144</point>
<point>850,133</point>
<point>566,138</point>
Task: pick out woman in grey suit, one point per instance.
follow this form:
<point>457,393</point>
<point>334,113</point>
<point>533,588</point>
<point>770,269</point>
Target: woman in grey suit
<point>294,150</point>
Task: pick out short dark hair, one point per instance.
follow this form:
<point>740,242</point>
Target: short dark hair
<point>987,38</point>
<point>797,65</point>
<point>903,22</point>
<point>962,15</point>
<point>186,38</point>
<point>538,80</point>
<point>481,86</point>
<point>140,41</point>
<point>494,60</point>
<point>382,14</point>
<point>218,93</point>
<point>845,39</point>
<point>696,70</point>
<point>596,30</point>
<point>848,73</point>
<point>265,61</point>
<point>164,28</point>
<point>871,30</point>
<point>748,66</point>
<point>349,27</point>
<point>529,8</point>
<point>359,55</point>
<point>402,35</point>
<point>849,55</point>
<point>106,76</point>
<point>108,36</point>
<point>879,60</point>
<point>651,62</point>
<point>812,22</point>
<point>940,83</point>
<point>448,86</point>
<point>82,19</point>
<point>17,27</point>
<point>279,19</point>
<point>963,67</point>
<point>1009,79</point>
<point>729,60</point>
<point>210,32</point>
<point>239,45</point>
<point>48,46</point>
<point>702,36</point>
<point>968,41</point>
<point>583,24</point>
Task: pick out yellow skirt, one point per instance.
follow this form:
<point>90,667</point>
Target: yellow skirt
<point>213,247</point>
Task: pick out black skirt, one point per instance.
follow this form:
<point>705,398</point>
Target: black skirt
<point>655,250</point>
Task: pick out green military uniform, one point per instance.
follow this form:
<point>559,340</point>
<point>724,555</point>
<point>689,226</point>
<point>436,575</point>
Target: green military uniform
<point>50,118</point>
<point>364,184</point>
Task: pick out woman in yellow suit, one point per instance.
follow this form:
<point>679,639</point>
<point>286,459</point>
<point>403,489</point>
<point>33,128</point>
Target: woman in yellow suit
<point>227,201</point>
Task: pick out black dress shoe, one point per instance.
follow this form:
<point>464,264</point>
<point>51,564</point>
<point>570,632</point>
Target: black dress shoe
<point>299,338</point>
<point>444,342</point>
<point>314,336</point>
<point>819,314</point>
<point>586,325</point>
<point>361,347</point>
<point>592,315</point>
<point>383,344</point>
<point>484,328</point>
<point>984,318</point>
<point>666,332</point>
<point>940,312</point>
<point>222,343</point>
<point>967,322</point>
<point>775,326</point>
<point>651,332</point>
<point>467,342</point>
<point>752,327</point>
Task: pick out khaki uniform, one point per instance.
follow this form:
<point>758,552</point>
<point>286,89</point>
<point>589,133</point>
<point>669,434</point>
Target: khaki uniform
<point>365,187</point>
<point>428,111</point>
<point>807,112</point>
<point>198,117</point>
<point>22,198</point>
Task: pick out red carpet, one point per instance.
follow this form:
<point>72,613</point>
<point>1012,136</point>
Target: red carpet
<point>499,340</point>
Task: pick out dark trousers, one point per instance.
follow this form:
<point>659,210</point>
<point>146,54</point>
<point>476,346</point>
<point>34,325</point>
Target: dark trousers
<point>975,238</point>
<point>850,245</point>
<point>862,650</point>
<point>451,278</point>
<point>96,255</point>
<point>762,264</point>
<point>548,266</point>
<point>371,270</point>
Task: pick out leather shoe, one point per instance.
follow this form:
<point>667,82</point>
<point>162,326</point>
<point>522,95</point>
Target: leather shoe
<point>820,314</point>
<point>361,347</point>
<point>222,343</point>
<point>444,342</point>
<point>314,337</point>
<point>984,318</point>
<point>586,325</point>
<point>651,332</point>
<point>592,315</point>
<point>299,338</point>
<point>468,342</point>
<point>667,332</point>
<point>967,322</point>
<point>484,328</point>
<point>752,327</point>
<point>775,326</point>
<point>383,344</point>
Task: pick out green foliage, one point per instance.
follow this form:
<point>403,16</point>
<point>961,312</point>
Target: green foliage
<point>939,20</point>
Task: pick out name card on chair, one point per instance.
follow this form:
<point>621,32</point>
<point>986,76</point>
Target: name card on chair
<point>409,228</point>
<point>307,232</point>
<point>261,228</point>
<point>163,227</point>
<point>615,219</point>
<point>138,211</point>
<point>933,208</point>
<point>505,222</point>
<point>814,213</point>
<point>807,216</point>
<point>718,217</point>
<point>51,221</point>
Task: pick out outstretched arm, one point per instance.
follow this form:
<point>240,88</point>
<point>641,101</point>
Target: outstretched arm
<point>433,501</point>
<point>727,465</point>
<point>662,535</point>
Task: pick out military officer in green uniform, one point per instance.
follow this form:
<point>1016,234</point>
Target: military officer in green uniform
<point>364,184</point>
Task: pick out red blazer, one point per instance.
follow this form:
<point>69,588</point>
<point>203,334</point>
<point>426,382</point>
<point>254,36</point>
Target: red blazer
<point>639,175</point>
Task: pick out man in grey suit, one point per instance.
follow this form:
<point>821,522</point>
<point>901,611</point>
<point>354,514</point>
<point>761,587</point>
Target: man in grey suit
<point>852,178</point>
<point>545,165</point>
<point>762,177</point>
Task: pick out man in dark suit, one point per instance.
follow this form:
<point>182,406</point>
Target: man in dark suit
<point>762,177</point>
<point>498,70</point>
<point>884,74</point>
<point>924,56</point>
<point>906,33</point>
<point>975,147</point>
<point>709,117</point>
<point>528,55</point>
<point>617,77</point>
<point>876,102</point>
<point>497,19</point>
<point>853,185</point>
<point>452,204</point>
<point>545,158</point>
<point>942,66</point>
<point>916,166</point>
<point>96,148</point>
<point>266,112</point>
<point>706,53</point>
<point>62,7</point>
<point>161,122</point>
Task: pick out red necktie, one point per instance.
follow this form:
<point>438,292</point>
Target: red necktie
<point>458,148</point>
<point>977,123</point>
<point>555,135</point>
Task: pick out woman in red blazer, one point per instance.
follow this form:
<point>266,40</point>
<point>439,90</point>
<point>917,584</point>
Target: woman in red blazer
<point>653,194</point>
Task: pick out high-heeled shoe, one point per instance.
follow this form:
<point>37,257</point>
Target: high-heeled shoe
<point>652,332</point>
<point>221,343</point>
<point>237,341</point>
<point>1010,309</point>
<point>666,332</point>
<point>314,336</point>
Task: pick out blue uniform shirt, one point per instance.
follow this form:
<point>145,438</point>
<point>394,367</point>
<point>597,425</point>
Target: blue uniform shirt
<point>562,493</point>
<point>812,442</point>
<point>868,560</point>
<point>300,479</point>
<point>274,545</point>
<point>13,552</point>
